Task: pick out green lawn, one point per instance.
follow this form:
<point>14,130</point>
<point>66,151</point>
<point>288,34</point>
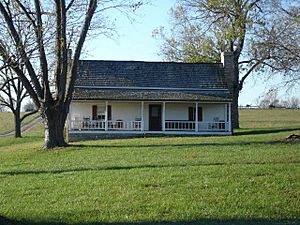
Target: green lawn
<point>250,178</point>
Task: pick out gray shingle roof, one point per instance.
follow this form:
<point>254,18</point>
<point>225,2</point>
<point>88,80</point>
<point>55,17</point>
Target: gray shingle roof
<point>135,80</point>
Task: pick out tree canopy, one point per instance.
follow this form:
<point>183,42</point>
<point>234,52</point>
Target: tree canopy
<point>263,35</point>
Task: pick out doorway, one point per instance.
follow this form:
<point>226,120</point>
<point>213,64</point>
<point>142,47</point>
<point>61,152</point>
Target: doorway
<point>155,117</point>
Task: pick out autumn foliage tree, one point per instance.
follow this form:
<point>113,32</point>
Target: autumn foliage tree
<point>56,26</point>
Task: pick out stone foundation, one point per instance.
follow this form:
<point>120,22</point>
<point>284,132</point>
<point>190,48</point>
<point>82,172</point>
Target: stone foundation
<point>74,137</point>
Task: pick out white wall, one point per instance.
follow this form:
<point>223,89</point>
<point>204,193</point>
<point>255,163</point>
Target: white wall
<point>82,109</point>
<point>213,110</point>
<point>120,110</point>
<point>126,111</point>
<point>178,111</point>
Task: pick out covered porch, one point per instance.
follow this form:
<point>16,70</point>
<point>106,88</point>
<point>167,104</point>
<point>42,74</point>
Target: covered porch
<point>156,117</point>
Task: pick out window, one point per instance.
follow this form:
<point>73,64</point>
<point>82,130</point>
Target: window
<point>192,113</point>
<point>101,113</point>
<point>98,112</point>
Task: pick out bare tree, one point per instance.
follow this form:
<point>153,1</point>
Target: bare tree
<point>56,26</point>
<point>263,35</point>
<point>14,94</point>
<point>2,108</point>
<point>29,106</point>
<point>291,103</point>
<point>270,100</point>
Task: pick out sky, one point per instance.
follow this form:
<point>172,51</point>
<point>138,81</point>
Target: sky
<point>134,41</point>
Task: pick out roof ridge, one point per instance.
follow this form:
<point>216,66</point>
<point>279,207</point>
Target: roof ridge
<point>154,62</point>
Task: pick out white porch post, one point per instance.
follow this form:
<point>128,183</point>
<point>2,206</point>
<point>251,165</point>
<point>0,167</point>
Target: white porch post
<point>69,117</point>
<point>142,116</point>
<point>106,116</point>
<point>229,117</point>
<point>164,117</point>
<point>196,118</point>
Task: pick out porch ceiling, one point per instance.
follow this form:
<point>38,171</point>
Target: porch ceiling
<point>151,95</point>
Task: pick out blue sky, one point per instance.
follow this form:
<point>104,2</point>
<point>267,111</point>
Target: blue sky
<point>135,42</point>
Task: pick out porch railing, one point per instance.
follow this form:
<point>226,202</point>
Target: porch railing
<point>213,126</point>
<point>191,126</point>
<point>124,125</point>
<point>137,126</point>
<point>180,125</point>
<point>101,125</point>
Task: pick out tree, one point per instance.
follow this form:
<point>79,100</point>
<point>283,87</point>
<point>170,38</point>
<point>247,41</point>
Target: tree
<point>29,106</point>
<point>291,103</point>
<point>263,35</point>
<point>51,70</point>
<point>270,100</point>
<point>14,92</point>
<point>2,108</point>
<point>12,88</point>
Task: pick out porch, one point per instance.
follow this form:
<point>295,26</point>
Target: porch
<point>109,117</point>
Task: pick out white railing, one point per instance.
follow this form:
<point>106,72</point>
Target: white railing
<point>124,125</point>
<point>87,125</point>
<point>213,126</point>
<point>101,125</point>
<point>137,126</point>
<point>202,126</point>
<point>180,125</point>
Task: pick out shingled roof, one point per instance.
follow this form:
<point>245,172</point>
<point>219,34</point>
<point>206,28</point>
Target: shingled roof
<point>136,80</point>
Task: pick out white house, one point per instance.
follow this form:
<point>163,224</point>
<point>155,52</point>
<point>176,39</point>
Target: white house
<point>131,98</point>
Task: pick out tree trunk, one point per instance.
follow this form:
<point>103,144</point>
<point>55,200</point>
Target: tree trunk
<point>17,124</point>
<point>235,108</point>
<point>54,122</point>
<point>235,93</point>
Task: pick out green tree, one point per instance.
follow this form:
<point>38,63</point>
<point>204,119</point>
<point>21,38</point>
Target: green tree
<point>263,35</point>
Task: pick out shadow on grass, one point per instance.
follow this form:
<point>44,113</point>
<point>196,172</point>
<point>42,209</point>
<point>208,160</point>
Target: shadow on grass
<point>264,131</point>
<point>4,221</point>
<point>206,144</point>
<point>113,168</point>
<point>228,144</point>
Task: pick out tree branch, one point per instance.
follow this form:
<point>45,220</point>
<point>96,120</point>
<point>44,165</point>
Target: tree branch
<point>20,74</point>
<point>64,62</point>
<point>28,114</point>
<point>88,18</point>
<point>21,49</point>
<point>70,5</point>
<point>6,82</point>
<point>43,59</point>
<point>241,82</point>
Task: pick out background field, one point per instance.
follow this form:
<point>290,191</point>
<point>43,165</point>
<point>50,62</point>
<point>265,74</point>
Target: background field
<point>7,121</point>
<point>249,119</point>
<point>269,118</point>
<point>249,178</point>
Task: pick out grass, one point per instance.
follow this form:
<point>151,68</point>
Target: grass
<point>269,118</point>
<point>250,178</point>
<point>7,121</point>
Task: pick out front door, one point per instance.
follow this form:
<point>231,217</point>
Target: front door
<point>155,117</point>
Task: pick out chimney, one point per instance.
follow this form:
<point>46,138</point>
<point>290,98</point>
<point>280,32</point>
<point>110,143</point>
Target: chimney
<point>227,59</point>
